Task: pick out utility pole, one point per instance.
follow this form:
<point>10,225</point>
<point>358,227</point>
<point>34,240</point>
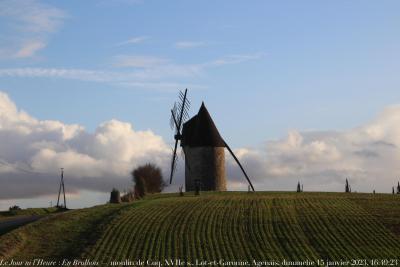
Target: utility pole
<point>62,186</point>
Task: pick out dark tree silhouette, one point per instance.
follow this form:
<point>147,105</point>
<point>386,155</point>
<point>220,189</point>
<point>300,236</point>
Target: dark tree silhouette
<point>197,187</point>
<point>393,190</point>
<point>147,179</point>
<point>139,190</point>
<point>115,196</point>
<point>398,187</point>
<point>347,187</point>
<point>181,191</point>
<point>298,187</point>
<point>14,208</point>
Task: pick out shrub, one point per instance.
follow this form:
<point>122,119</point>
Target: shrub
<point>147,179</point>
<point>14,208</point>
<point>128,197</point>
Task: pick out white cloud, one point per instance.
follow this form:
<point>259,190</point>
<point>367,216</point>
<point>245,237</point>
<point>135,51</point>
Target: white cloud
<point>32,152</point>
<point>162,86</point>
<point>236,59</point>
<point>29,24</point>
<point>188,44</point>
<point>135,71</point>
<point>107,4</point>
<point>144,79</point>
<point>138,61</point>
<point>73,74</point>
<point>152,79</point>
<point>368,155</point>
<point>134,40</point>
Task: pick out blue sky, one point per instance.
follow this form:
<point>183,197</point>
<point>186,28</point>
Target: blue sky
<point>308,61</point>
<point>263,68</point>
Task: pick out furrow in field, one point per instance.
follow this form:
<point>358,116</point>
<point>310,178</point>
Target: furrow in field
<point>255,234</point>
<point>348,223</point>
<point>182,229</point>
<point>320,239</point>
<point>374,239</point>
<point>347,249</point>
<point>101,248</point>
<point>165,213</point>
<point>241,229</point>
<point>228,229</point>
<point>137,217</point>
<point>222,231</point>
<point>386,238</point>
<point>209,229</point>
<point>136,227</point>
<point>271,236</point>
<point>175,233</point>
<point>293,225</point>
<point>125,238</point>
<point>112,240</point>
<point>286,237</point>
<point>198,250</point>
<point>246,227</point>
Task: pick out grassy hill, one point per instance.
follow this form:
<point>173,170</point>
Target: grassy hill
<point>26,212</point>
<point>229,226</point>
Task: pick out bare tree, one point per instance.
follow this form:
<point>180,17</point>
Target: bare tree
<point>148,179</point>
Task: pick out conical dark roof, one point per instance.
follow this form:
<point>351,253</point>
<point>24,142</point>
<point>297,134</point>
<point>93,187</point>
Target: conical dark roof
<point>201,131</point>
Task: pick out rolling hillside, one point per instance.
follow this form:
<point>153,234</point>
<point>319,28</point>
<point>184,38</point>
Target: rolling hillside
<point>270,226</point>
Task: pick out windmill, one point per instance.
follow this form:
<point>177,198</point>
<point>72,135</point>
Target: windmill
<point>63,189</point>
<point>202,146</point>
<point>179,113</point>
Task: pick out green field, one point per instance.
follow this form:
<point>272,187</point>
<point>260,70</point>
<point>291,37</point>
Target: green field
<point>213,226</point>
<point>26,212</point>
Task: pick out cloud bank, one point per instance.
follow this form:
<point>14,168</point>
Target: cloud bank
<point>368,155</point>
<point>32,151</point>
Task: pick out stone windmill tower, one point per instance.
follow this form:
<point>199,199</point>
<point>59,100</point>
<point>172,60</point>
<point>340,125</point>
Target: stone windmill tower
<point>203,148</point>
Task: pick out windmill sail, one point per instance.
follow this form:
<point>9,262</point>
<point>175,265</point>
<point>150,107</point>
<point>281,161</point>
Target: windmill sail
<point>240,165</point>
<point>179,113</point>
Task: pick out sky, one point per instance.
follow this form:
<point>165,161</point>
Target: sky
<point>302,90</point>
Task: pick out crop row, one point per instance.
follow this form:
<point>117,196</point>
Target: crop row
<point>242,227</point>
